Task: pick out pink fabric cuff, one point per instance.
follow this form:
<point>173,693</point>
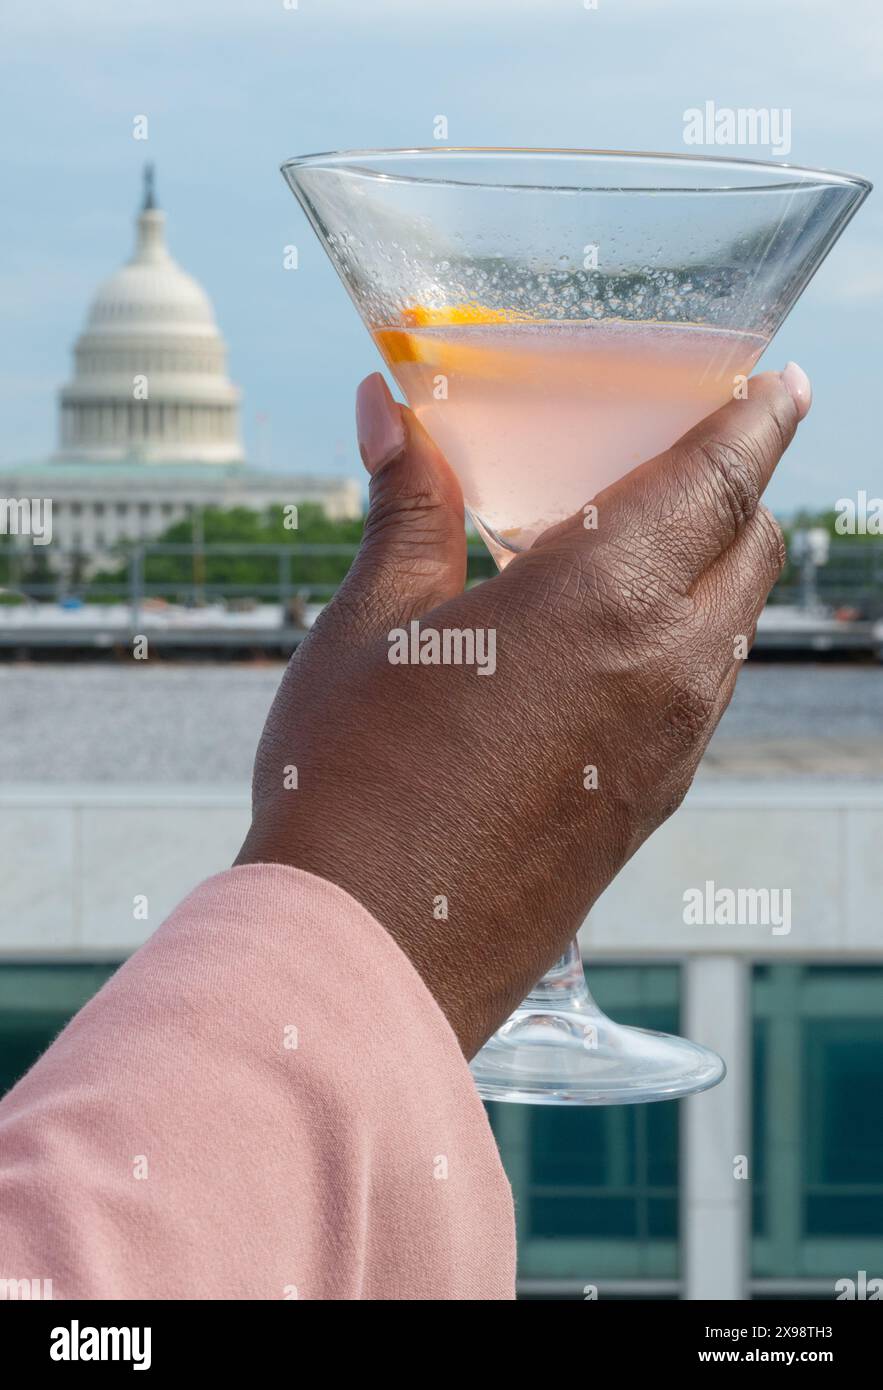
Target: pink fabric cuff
<point>264,1102</point>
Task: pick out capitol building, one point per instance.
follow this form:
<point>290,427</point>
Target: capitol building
<point>149,424</point>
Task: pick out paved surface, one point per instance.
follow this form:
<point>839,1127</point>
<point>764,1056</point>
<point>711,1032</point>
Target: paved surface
<point>180,724</point>
<point>775,758</point>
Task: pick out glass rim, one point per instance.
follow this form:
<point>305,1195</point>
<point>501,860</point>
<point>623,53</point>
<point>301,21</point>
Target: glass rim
<point>354,161</point>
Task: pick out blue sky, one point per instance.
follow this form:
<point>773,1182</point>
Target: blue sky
<point>231,87</point>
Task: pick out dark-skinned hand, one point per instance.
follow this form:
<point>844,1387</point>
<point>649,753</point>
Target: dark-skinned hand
<point>617,648</point>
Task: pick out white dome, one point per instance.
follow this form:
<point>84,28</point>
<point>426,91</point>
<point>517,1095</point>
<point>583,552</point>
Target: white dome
<point>160,295</point>
<point>150,377</point>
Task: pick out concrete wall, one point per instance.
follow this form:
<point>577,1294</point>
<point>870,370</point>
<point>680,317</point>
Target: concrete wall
<point>73,859</point>
<point>822,839</point>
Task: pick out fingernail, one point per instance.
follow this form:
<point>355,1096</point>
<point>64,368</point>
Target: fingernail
<point>798,384</point>
<point>379,424</point>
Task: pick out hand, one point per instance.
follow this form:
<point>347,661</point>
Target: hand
<point>615,649</point>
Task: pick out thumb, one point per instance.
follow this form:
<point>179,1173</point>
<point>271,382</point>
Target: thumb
<point>413,551</point>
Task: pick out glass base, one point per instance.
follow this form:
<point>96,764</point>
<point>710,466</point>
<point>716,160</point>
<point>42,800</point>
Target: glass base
<point>558,1048</point>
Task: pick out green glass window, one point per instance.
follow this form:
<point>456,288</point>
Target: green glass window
<point>36,1001</point>
<point>818,1121</point>
<point>596,1189</point>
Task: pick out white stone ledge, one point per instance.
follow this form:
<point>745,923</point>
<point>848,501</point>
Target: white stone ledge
<point>822,839</point>
<point>73,860</point>
<point>74,857</point>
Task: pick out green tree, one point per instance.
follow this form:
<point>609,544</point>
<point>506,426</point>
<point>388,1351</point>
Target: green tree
<point>177,576</point>
<point>180,573</point>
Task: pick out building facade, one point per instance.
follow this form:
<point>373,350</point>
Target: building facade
<point>97,506</point>
<point>768,1186</point>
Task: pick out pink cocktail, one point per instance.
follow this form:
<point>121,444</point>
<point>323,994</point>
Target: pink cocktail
<point>537,418</point>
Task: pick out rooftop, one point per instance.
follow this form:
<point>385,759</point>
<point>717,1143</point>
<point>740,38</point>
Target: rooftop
<point>169,472</point>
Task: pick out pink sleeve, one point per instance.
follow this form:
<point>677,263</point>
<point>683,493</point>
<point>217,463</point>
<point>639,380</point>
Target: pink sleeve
<point>264,1102</point>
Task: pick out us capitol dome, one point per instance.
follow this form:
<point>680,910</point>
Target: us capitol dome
<point>149,423</point>
<point>150,370</point>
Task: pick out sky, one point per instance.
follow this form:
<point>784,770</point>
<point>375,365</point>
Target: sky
<point>232,87</point>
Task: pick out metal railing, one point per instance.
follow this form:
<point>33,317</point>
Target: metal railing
<point>853,575</point>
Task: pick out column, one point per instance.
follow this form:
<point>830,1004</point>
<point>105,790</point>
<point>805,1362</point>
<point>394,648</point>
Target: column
<point>715,1131</point>
<point>784,1128</point>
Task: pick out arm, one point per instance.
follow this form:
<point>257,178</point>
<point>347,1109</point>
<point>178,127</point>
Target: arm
<point>264,1102</point>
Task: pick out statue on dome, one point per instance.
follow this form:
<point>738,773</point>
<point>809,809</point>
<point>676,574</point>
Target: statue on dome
<point>149,189</point>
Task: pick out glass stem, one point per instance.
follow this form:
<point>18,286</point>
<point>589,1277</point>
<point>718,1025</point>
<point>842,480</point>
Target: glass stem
<point>564,986</point>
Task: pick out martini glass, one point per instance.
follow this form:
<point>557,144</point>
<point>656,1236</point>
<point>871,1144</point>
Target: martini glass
<point>554,318</point>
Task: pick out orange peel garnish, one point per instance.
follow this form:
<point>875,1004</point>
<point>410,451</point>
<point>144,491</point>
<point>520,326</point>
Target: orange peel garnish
<point>421,316</point>
<point>400,345</point>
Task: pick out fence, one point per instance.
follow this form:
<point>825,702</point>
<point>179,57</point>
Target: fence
<point>227,571</point>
